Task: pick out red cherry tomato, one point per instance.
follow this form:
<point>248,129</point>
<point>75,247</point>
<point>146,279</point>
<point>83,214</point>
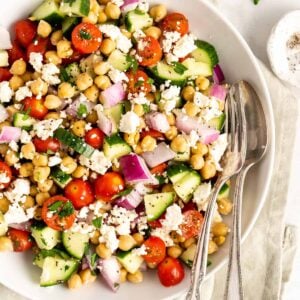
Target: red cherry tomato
<point>5,75</point>
<point>109,185</point>
<point>170,271</point>
<point>39,45</point>
<point>138,82</point>
<point>21,240</point>
<point>86,38</point>
<point>50,144</point>
<point>25,31</point>
<point>5,175</point>
<point>94,137</point>
<point>15,53</point>
<point>159,169</point>
<point>149,50</point>
<point>192,223</point>
<point>153,133</point>
<point>75,57</point>
<point>175,22</point>
<point>35,107</point>
<point>80,193</point>
<point>156,250</point>
<point>189,206</point>
<point>58,213</point>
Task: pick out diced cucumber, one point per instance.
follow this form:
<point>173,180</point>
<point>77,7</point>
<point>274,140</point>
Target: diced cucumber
<point>224,192</point>
<point>217,122</point>
<point>186,186</point>
<point>206,53</point>
<point>60,177</point>
<point>23,120</point>
<point>87,64</point>
<point>114,147</point>
<point>48,11</point>
<point>75,8</point>
<point>156,204</point>
<point>68,25</point>
<point>74,142</point>
<point>119,60</point>
<point>4,58</point>
<point>75,243</point>
<point>45,237</point>
<point>196,68</point>
<point>188,255</point>
<point>178,171</point>
<point>40,257</point>
<point>3,225</point>
<point>183,156</point>
<point>57,270</point>
<point>130,261</point>
<point>115,114</point>
<point>70,72</point>
<point>136,19</point>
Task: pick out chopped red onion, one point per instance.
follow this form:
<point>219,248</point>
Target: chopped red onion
<point>218,75</point>
<point>218,91</point>
<point>208,135</point>
<point>25,226</point>
<point>129,5</point>
<point>113,95</point>
<point>157,121</point>
<point>10,133</point>
<point>129,201</point>
<point>74,107</point>
<point>186,124</point>
<point>105,123</point>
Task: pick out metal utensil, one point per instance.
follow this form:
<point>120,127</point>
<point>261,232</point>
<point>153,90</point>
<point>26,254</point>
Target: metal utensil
<point>232,162</point>
<point>257,141</point>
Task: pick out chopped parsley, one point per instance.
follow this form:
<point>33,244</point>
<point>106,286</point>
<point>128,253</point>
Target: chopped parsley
<point>123,193</point>
<point>139,83</point>
<point>82,110</point>
<point>146,108</point>
<point>97,222</point>
<point>150,80</point>
<point>133,63</point>
<point>179,68</point>
<point>66,210</point>
<point>94,259</point>
<point>64,76</point>
<point>55,206</point>
<point>85,35</point>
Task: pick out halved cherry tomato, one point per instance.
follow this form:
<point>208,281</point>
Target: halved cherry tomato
<point>25,31</point>
<point>149,50</point>
<point>170,271</point>
<point>21,240</point>
<point>15,53</point>
<point>80,193</point>
<point>192,223</point>
<point>159,169</point>
<point>35,107</point>
<point>189,206</point>
<point>39,45</point>
<point>75,57</point>
<point>156,250</point>
<point>86,38</point>
<point>175,22</point>
<point>153,133</point>
<point>49,144</point>
<point>58,213</point>
<point>138,82</point>
<point>109,185</point>
<point>94,137</point>
<point>5,175</point>
<point>5,75</point>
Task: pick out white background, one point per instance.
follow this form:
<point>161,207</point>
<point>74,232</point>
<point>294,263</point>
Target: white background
<point>255,24</point>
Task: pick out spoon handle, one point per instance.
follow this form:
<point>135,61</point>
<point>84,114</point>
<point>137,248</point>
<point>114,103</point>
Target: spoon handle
<point>234,284</point>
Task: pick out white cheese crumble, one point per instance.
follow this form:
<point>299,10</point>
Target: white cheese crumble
<point>45,129</point>
<point>192,138</point>
<point>129,122</point>
<point>13,146</point>
<point>22,93</point>
<point>82,227</point>
<point>138,34</point>
<point>25,137</point>
<point>83,213</point>
<point>119,3</point>
<point>16,214</point>
<point>164,235</point>
<point>3,179</point>
<point>97,162</point>
<point>50,74</point>
<point>109,237</point>
<point>20,189</point>
<point>169,98</point>
<point>140,251</point>
<point>184,46</point>
<point>217,149</point>
<point>117,76</point>
<point>169,38</point>
<point>36,60</point>
<point>6,92</point>
<point>54,161</point>
<point>138,98</point>
<point>201,195</point>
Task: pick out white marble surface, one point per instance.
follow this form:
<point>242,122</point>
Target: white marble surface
<point>255,24</point>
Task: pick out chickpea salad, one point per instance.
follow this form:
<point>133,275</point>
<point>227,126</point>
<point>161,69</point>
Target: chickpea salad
<point>111,136</point>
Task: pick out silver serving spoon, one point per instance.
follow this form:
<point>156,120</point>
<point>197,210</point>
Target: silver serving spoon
<point>257,142</point>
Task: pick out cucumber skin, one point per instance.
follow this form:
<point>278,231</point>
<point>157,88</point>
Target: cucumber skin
<point>209,50</point>
<point>66,240</point>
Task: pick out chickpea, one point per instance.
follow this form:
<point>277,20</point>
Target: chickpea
<point>219,240</point>
<point>91,18</point>
<point>103,251</point>
<point>132,138</point>
<point>40,174</point>
<point>219,228</point>
<point>102,17</point>
<point>212,247</point>
<point>40,160</point>
<point>151,265</point>
<point>92,93</point>
<point>179,144</point>
<point>36,75</point>
<point>139,238</point>
<point>18,67</point>
<point>78,128</point>
<point>101,67</point>
<point>171,119</point>
<point>80,172</point>
<point>188,93</point>
<point>4,204</point>
<point>68,165</point>
<point>11,157</point>
<point>102,82</point>
<point>186,244</point>
<point>29,202</point>
<point>123,275</point>
<point>224,206</point>
<point>202,83</point>
<point>150,97</point>
<point>177,238</point>
<point>167,188</point>
<point>148,143</point>
<point>44,29</point>
<point>74,282</point>
<point>137,277</point>
<point>52,102</point>
<point>138,149</point>
<point>56,36</point>
<point>33,190</point>
<point>112,11</point>
<point>174,251</point>
<point>171,133</point>
<point>26,169</point>
<point>153,31</point>
<point>209,170</point>
<point>158,12</point>
<point>64,49</point>
<point>40,198</point>
<point>39,87</point>
<point>16,82</point>
<point>197,161</point>
<point>45,186</point>
<point>92,117</point>
<point>138,109</point>
<point>65,90</point>
<point>27,76</point>
<point>107,46</point>
<point>87,276</point>
<point>191,109</point>
<point>3,148</point>
<point>95,238</point>
<point>52,57</point>
<point>84,81</point>
<point>38,213</point>
<point>126,242</point>
<point>52,115</point>
<point>6,244</point>
<point>103,2</point>
<point>200,149</point>
<point>53,191</point>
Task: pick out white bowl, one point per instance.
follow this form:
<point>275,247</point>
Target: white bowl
<point>238,63</point>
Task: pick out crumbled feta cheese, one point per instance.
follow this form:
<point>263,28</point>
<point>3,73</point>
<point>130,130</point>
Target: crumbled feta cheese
<point>142,44</point>
<point>117,76</point>
<point>96,208</point>
<point>83,213</point>
<point>201,195</point>
<point>169,38</point>
<point>217,149</point>
<point>20,189</point>
<point>82,227</point>
<point>13,146</point>
<point>173,218</point>
<point>170,58</point>
<point>119,3</point>
<point>88,126</point>
<point>63,114</point>
<point>138,34</point>
<point>5,92</point>
<point>164,234</point>
<point>3,179</point>
<point>138,98</point>
<point>45,129</point>
<point>109,237</point>
<point>201,100</point>
<point>36,60</point>
<point>54,161</point>
<point>50,74</point>
<point>192,138</point>
<point>97,162</point>
<point>25,137</point>
<point>184,46</point>
<point>22,93</point>
<point>169,98</point>
<point>16,214</point>
<point>140,251</point>
<point>143,6</point>
<point>142,224</point>
<point>129,122</point>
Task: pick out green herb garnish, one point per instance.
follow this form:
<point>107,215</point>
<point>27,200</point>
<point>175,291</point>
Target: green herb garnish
<point>179,68</point>
<point>85,35</point>
<point>97,222</point>
<point>139,83</point>
<point>55,206</point>
<point>82,110</point>
<point>94,258</point>
<point>256,1</point>
<point>150,80</point>
<point>133,63</point>
<point>66,210</point>
<point>146,108</point>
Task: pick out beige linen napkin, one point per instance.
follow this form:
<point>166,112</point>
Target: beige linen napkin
<point>268,251</point>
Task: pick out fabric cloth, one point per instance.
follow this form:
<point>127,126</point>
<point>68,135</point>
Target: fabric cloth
<point>270,247</point>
